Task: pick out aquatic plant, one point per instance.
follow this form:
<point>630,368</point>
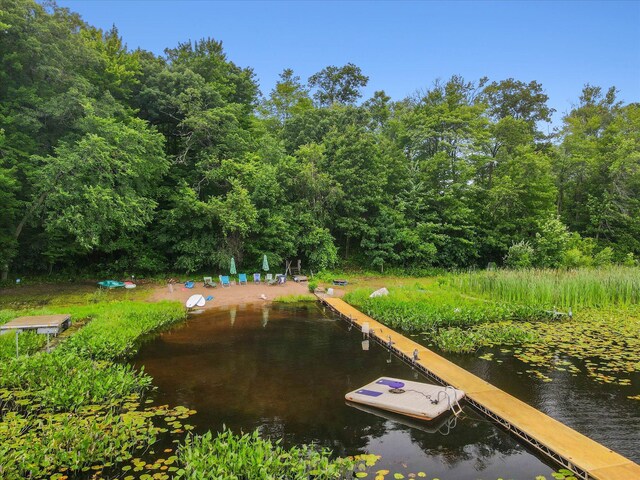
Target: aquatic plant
<point>240,457</point>
<point>75,409</point>
<point>459,340</point>
<point>62,381</point>
<point>586,287</point>
<point>116,328</point>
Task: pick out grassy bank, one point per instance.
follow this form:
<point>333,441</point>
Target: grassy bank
<point>469,312</point>
<point>77,408</point>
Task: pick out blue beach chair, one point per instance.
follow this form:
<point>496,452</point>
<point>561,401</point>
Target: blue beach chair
<point>242,278</point>
<point>256,278</point>
<point>224,280</point>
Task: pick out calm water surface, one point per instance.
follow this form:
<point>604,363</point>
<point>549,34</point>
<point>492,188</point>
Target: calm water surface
<point>285,370</point>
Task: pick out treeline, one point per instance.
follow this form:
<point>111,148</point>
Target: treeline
<point>114,160</point>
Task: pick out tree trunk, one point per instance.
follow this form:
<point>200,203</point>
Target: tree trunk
<point>5,272</point>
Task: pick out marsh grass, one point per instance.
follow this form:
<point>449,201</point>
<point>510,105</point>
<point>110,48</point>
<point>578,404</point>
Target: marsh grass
<point>605,287</point>
<point>423,307</point>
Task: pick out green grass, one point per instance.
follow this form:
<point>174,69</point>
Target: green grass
<point>430,307</point>
<point>294,299</point>
<point>612,286</point>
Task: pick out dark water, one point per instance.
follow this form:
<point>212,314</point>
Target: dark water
<point>603,412</point>
<point>285,370</point>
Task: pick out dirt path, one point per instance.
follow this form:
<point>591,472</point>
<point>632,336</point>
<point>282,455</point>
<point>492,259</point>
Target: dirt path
<point>233,295</point>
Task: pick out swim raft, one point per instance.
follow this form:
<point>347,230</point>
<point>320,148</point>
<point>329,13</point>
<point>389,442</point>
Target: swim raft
<point>414,399</point>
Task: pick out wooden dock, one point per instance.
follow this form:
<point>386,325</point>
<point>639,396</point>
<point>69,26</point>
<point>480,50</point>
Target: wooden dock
<point>52,324</point>
<point>585,457</point>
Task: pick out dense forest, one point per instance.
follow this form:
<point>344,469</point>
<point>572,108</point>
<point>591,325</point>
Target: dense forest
<point>114,160</point>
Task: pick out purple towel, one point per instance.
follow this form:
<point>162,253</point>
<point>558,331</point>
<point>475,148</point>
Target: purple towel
<point>390,383</point>
<point>370,393</point>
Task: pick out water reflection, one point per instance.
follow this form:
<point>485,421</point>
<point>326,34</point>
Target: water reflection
<point>286,369</point>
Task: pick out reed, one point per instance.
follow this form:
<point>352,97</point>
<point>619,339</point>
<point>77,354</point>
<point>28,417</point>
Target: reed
<point>605,287</point>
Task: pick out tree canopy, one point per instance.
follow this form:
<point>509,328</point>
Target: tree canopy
<point>115,160</point>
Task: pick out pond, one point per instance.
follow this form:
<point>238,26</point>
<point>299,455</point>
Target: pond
<point>285,369</point>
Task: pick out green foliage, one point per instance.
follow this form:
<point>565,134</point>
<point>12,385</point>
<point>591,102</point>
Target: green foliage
<point>520,255</point>
<point>114,160</point>
<point>419,308</point>
<point>28,343</point>
<point>115,329</point>
<point>313,284</point>
<point>244,457</point>
<point>66,411</point>
<point>61,381</point>
<point>294,299</point>
<point>39,447</point>
<point>555,288</point>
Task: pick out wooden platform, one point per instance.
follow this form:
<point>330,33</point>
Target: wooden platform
<point>51,323</point>
<point>574,451</point>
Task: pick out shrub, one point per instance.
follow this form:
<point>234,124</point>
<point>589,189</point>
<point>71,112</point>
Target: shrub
<point>313,285</point>
<point>520,255</point>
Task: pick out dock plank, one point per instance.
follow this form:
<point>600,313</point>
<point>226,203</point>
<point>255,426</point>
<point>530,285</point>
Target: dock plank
<point>35,322</point>
<point>600,462</point>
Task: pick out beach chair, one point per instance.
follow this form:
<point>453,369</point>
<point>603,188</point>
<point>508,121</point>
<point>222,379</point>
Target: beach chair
<point>256,278</point>
<point>282,279</point>
<point>270,280</point>
<point>209,283</point>
<point>224,281</point>
<point>242,278</point>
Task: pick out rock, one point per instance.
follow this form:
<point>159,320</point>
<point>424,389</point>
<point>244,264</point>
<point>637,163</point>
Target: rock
<point>381,292</point>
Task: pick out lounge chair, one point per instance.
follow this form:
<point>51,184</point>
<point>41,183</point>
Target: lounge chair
<point>224,281</point>
<point>256,278</point>
<point>242,278</point>
<point>282,279</point>
<point>268,278</point>
<point>209,283</point>
<point>272,281</point>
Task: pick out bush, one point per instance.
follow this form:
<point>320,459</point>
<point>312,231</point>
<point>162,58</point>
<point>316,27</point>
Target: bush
<point>604,257</point>
<point>520,255</point>
<point>313,285</point>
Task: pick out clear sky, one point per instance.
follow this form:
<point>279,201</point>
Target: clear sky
<point>402,46</point>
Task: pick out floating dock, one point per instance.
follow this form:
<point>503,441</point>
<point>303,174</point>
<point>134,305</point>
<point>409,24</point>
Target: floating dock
<point>585,457</point>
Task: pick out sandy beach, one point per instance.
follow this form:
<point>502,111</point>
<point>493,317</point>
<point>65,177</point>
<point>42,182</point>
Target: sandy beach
<point>233,295</point>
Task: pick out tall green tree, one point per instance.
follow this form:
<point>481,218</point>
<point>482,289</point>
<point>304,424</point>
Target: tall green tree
<point>338,85</point>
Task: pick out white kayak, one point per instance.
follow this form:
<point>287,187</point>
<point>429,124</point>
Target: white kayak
<point>196,301</point>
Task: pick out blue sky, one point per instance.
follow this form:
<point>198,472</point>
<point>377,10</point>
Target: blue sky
<point>402,46</point>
